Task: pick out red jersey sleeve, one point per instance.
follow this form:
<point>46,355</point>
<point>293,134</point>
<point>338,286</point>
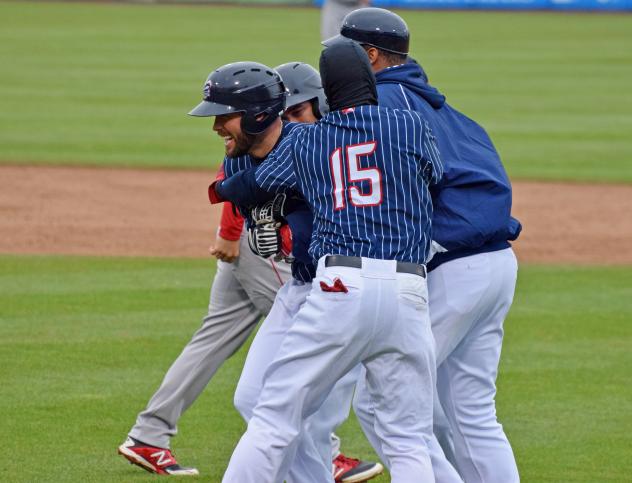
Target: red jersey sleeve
<point>213,197</point>
<point>231,224</point>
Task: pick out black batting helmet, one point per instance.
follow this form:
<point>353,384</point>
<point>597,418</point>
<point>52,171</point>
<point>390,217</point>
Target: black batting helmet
<point>247,87</point>
<point>302,83</point>
<point>376,27</point>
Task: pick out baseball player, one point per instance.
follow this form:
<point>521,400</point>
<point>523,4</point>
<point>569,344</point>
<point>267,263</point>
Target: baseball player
<point>242,292</point>
<point>472,278</point>
<point>246,98</point>
<point>306,103</point>
<point>364,173</point>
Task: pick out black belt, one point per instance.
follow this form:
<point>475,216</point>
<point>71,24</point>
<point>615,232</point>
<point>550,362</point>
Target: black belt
<point>356,262</point>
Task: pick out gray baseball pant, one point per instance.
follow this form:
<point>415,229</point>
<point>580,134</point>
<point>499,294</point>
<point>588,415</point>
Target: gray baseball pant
<point>242,292</point>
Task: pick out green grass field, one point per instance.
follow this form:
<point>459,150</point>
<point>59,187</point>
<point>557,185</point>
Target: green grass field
<point>106,84</point>
<point>84,342</point>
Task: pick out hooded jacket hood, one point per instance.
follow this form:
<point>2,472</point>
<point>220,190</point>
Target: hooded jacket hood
<point>412,76</point>
<point>347,76</point>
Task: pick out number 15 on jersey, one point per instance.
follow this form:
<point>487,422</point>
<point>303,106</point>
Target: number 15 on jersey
<point>355,175</point>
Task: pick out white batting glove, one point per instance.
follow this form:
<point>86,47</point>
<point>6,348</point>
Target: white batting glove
<point>265,239</point>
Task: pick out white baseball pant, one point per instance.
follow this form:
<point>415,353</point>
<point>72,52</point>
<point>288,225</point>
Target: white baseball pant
<point>312,460</point>
<point>382,322</point>
<point>469,300</point>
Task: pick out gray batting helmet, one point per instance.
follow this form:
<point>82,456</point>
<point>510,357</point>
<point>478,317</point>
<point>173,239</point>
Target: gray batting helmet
<point>302,83</point>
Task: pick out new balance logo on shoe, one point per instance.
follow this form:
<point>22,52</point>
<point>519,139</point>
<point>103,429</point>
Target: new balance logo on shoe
<point>163,457</point>
<point>153,459</point>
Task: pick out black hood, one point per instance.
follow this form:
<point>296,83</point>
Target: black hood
<point>347,76</point>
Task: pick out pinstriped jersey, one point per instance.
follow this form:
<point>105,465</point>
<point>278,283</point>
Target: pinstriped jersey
<point>233,166</point>
<point>300,221</point>
<point>365,173</point>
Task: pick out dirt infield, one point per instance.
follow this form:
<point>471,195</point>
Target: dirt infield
<point>162,213</point>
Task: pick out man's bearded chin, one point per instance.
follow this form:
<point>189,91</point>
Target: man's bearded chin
<point>242,145</point>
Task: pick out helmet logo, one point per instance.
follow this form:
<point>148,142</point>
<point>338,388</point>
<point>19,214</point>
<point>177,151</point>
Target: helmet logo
<point>207,90</point>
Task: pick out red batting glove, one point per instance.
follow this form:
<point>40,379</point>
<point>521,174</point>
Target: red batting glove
<point>286,240</point>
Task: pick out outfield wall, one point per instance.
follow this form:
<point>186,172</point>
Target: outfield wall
<point>526,5</point>
<point>554,5</point>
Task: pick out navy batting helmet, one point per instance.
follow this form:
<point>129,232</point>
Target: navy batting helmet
<point>247,87</point>
<point>303,83</point>
<point>376,27</point>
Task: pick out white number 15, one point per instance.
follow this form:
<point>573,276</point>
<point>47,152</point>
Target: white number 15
<point>355,174</point>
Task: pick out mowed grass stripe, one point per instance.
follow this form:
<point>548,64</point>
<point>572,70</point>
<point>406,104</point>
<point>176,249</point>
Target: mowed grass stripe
<point>77,368</point>
<point>81,352</point>
<point>111,84</point>
<point>566,348</point>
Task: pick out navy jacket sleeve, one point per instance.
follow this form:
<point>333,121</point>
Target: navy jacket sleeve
<point>242,189</point>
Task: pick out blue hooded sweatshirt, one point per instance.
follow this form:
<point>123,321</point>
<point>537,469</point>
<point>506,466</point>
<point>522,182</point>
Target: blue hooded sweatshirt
<point>472,203</point>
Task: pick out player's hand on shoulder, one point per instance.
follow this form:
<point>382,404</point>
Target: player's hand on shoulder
<point>225,250</point>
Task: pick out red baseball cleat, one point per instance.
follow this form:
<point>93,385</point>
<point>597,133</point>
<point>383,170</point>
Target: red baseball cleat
<point>153,459</point>
<point>351,470</point>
